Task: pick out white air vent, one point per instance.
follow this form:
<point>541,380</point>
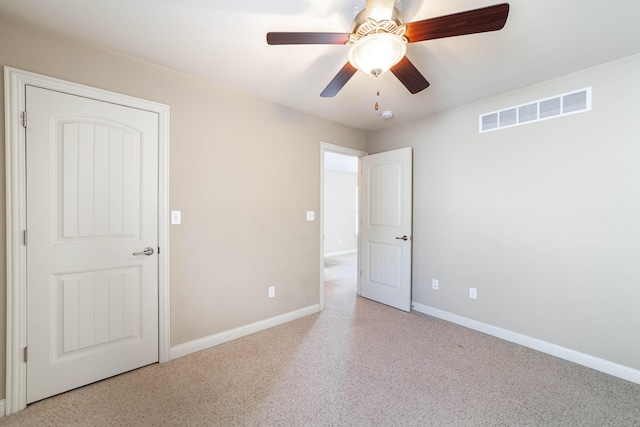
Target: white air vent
<point>560,105</point>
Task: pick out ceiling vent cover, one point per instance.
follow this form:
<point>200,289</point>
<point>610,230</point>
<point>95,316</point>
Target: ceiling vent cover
<point>548,108</point>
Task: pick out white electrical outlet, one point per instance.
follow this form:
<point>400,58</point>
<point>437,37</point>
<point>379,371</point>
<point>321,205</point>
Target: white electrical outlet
<point>473,293</point>
<point>272,291</point>
<point>434,284</point>
<point>311,215</point>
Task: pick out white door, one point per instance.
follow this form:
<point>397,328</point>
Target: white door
<point>92,201</point>
<point>386,228</point>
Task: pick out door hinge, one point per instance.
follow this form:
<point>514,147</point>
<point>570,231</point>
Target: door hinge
<point>25,237</point>
<point>158,250</point>
<point>26,354</point>
<point>24,119</point>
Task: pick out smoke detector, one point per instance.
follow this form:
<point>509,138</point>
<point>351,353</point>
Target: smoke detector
<point>387,114</point>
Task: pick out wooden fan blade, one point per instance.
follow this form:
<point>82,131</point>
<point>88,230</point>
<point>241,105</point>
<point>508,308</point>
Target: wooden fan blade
<point>307,38</point>
<point>481,20</point>
<point>409,75</point>
<point>379,10</point>
<point>339,81</point>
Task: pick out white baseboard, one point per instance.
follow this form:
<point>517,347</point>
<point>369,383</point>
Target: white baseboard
<point>602,365</point>
<point>350,251</point>
<point>243,331</point>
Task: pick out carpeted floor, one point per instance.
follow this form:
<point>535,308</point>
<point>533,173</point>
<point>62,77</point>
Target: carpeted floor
<point>358,363</point>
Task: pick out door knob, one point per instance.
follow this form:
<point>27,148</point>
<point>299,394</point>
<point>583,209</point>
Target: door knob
<point>147,251</point>
<point>402,238</point>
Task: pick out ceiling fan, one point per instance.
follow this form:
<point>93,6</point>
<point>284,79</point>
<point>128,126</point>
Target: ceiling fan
<point>379,40</point>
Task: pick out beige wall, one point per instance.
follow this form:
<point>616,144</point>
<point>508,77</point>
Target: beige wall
<point>543,219</point>
<point>340,210</point>
<point>243,172</point>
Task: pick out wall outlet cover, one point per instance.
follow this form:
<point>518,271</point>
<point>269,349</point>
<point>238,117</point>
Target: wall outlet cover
<point>176,217</point>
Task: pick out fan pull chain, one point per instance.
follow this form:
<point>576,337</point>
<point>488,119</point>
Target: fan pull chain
<point>377,97</point>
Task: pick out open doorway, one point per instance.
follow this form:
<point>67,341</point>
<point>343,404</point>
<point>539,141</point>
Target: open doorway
<point>340,217</point>
<point>340,221</point>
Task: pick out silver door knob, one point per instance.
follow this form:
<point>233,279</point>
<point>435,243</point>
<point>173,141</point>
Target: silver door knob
<point>147,251</point>
<point>402,238</point>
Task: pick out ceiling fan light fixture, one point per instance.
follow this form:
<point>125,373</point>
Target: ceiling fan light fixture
<point>376,53</point>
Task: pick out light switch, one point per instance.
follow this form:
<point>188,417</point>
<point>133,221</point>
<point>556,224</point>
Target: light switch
<point>311,216</point>
<point>176,217</point>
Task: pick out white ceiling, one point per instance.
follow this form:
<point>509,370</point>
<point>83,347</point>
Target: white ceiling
<point>224,42</point>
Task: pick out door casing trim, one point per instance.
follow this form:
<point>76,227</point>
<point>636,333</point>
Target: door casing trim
<point>15,82</point>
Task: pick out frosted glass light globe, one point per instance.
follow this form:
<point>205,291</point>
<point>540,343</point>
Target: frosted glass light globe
<point>377,53</point>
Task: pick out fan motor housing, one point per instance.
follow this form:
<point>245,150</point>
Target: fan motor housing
<point>362,26</point>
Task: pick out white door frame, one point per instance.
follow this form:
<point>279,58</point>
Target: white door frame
<point>327,147</point>
<point>15,82</point>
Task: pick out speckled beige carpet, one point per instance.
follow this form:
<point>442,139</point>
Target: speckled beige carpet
<point>358,363</point>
